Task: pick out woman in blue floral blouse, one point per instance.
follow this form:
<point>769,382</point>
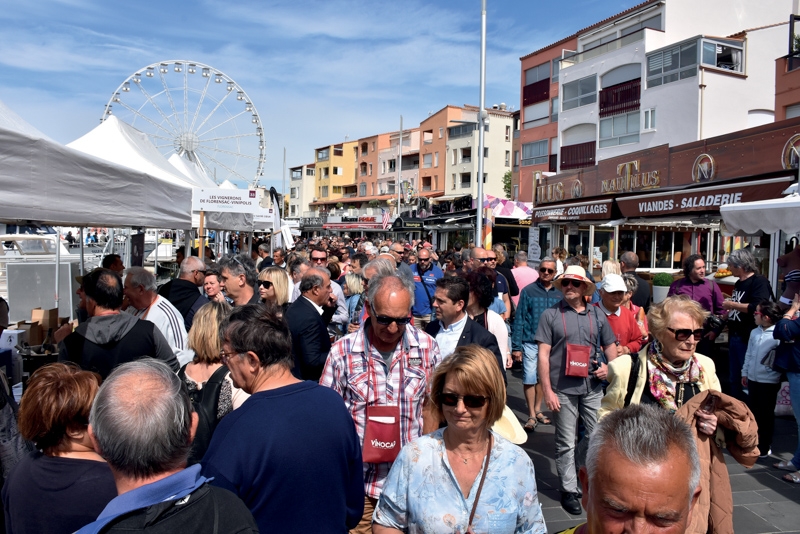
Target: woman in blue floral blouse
<point>464,478</point>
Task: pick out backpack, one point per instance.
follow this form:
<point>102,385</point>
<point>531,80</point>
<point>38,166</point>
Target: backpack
<point>205,402</point>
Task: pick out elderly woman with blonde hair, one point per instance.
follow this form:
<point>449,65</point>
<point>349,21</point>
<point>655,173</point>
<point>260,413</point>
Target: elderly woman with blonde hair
<point>465,477</point>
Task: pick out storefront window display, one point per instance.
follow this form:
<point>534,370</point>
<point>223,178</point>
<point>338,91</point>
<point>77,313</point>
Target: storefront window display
<point>578,244</point>
<point>603,248</point>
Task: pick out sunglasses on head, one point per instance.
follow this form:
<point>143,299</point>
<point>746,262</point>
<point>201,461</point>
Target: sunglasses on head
<point>682,334</point>
<point>385,320</point>
<point>545,270</point>
<point>266,284</point>
<point>570,282</point>
<point>470,401</point>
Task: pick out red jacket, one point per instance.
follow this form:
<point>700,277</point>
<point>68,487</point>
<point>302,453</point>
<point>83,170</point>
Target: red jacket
<point>626,328</point>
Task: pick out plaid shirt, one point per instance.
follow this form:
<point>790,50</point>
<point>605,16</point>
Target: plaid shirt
<point>347,372</point>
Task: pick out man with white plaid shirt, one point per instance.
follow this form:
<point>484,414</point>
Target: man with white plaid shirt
<point>358,365</point>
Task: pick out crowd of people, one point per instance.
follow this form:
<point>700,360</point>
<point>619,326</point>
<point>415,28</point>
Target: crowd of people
<point>349,385</point>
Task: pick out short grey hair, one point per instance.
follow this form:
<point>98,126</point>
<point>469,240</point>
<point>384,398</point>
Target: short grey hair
<point>521,257</point>
<point>141,277</point>
<point>238,265</point>
<point>313,278</point>
<point>263,247</point>
<point>466,254</point>
<point>192,263</point>
<point>142,419</point>
<point>743,259</point>
<point>393,281</point>
<point>630,259</point>
<point>294,267</point>
<point>381,266</point>
<point>643,435</point>
<point>548,259</point>
<point>631,282</point>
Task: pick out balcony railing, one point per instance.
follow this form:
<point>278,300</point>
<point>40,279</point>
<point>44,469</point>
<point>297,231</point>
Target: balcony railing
<point>467,159</point>
<point>620,98</point>
<point>610,46</point>
<point>578,156</point>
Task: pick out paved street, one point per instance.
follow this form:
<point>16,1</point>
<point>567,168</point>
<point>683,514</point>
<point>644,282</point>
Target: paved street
<point>763,502</point>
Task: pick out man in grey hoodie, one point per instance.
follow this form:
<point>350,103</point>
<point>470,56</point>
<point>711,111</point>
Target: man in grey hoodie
<point>109,338</point>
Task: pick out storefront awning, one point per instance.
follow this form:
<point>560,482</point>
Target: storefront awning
<point>700,199</point>
<point>582,211</point>
<point>768,216</point>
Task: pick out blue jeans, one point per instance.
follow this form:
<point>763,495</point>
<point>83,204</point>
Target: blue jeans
<point>737,348</point>
<point>794,395</point>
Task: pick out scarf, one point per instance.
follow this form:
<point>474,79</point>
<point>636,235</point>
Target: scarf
<point>664,377</point>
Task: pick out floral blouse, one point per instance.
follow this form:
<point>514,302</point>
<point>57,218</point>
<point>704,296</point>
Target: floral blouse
<point>421,494</point>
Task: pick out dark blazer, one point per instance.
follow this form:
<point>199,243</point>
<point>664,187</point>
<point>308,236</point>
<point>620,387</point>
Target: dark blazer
<point>473,333</point>
<point>642,296</point>
<point>310,339</point>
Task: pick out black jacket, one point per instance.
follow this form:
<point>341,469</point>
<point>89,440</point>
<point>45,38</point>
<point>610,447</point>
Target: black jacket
<point>513,289</point>
<point>186,297</point>
<point>643,293</point>
<point>208,509</point>
<point>473,334</point>
<point>310,339</point>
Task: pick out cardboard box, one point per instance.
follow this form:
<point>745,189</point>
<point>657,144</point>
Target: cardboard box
<point>34,332</point>
<point>11,338</point>
<point>47,319</point>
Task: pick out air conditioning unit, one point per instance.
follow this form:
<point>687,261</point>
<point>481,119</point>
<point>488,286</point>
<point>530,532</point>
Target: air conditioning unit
<point>315,199</point>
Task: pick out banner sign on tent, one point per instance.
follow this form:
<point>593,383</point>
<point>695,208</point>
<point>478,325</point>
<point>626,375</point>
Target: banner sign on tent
<point>225,200</point>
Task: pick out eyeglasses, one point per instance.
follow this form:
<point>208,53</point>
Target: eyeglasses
<point>266,284</point>
<point>470,401</point>
<point>423,259</point>
<point>226,356</point>
<point>385,320</point>
<point>544,270</point>
<point>319,260</point>
<point>201,271</point>
<point>682,334</point>
<point>364,280</point>
<point>484,260</point>
<point>570,282</point>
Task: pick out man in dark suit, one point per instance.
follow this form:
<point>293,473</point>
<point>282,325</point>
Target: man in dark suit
<point>453,327</point>
<point>307,321</point>
<point>628,263</point>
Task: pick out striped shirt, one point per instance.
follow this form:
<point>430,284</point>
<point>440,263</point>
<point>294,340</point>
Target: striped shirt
<point>347,372</point>
<point>170,322</point>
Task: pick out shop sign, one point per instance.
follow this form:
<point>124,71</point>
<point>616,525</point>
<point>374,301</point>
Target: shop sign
<point>701,199</point>
<point>225,200</point>
<point>629,178</point>
<point>312,221</point>
<point>574,212</point>
<point>508,221</point>
<point>369,219</point>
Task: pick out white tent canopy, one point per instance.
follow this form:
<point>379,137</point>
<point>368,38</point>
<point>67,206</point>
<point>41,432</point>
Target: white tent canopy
<point>44,181</point>
<point>768,216</point>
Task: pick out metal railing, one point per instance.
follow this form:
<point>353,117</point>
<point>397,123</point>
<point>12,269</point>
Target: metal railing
<point>610,46</point>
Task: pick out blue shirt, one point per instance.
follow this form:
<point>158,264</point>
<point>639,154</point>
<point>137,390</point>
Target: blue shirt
<point>421,494</point>
<point>293,456</point>
<point>447,338</point>
<point>534,299</point>
<point>427,281</point>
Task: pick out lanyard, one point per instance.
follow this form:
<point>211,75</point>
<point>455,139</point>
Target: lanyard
<point>564,322</point>
<point>373,377</point>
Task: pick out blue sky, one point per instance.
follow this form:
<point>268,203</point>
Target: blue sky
<point>317,71</point>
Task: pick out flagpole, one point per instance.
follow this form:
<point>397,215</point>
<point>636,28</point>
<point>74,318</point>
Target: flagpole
<point>481,127</point>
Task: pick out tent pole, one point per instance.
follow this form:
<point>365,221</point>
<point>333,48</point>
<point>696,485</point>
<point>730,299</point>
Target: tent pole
<point>155,261</point>
<point>58,260</point>
<point>80,237</point>
<point>200,247</point>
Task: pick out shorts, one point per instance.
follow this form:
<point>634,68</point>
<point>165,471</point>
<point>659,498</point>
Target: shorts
<point>530,363</point>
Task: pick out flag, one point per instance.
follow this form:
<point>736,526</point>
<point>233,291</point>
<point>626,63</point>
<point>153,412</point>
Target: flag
<point>385,219</point>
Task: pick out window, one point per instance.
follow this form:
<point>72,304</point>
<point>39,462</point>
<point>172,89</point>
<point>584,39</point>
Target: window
<point>466,179</point>
<point>486,152</point>
<point>363,168</point>
<point>580,92</point>
<point>534,153</point>
<point>554,110</point>
<point>516,193</point>
<point>293,192</point>
<point>427,137</point>
<point>325,172</point>
<point>556,68</point>
<point>323,154</point>
<point>723,55</point>
<point>652,22</point>
<point>390,188</point>
<point>310,171</point>
<point>441,132</point>
<point>370,169</point>
<point>337,189</point>
<point>436,159</point>
<point>536,114</point>
<point>537,73</point>
<point>619,130</point>
<point>338,171</point>
<point>516,158</point>
<point>292,210</point>
<point>426,183</point>
<point>323,191</point>
<point>364,149</point>
<point>373,146</point>
<point>508,158</point>
<point>650,119</point>
<point>455,179</point>
<point>466,155</point>
<point>598,42</point>
<point>463,130</point>
<point>508,133</point>
<point>392,165</point>
<point>455,157</point>
<point>427,160</point>
<point>362,189</point>
<point>383,167</point>
<point>673,64</point>
<point>297,174</point>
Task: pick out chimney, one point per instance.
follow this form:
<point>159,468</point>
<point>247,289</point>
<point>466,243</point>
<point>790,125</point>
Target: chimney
<point>503,106</point>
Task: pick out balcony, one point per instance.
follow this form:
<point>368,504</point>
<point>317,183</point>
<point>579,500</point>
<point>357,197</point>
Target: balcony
<point>610,46</point>
<point>578,156</point>
<point>621,98</point>
<point>467,159</point>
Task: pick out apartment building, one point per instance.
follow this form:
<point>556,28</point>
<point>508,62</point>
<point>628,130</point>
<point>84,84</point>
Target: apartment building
<point>302,189</point>
<point>665,72</point>
<point>334,172</point>
<point>787,78</point>
<point>386,183</point>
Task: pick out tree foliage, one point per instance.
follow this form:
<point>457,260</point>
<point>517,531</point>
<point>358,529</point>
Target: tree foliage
<point>507,184</point>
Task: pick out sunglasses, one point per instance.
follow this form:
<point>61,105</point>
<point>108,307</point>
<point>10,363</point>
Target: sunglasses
<point>484,260</point>
<point>266,284</point>
<point>470,401</point>
<point>570,282</point>
<point>319,260</point>
<point>683,334</point>
<point>385,320</point>
<point>544,270</point>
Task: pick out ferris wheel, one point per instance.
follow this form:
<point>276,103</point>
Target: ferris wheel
<point>197,112</point>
